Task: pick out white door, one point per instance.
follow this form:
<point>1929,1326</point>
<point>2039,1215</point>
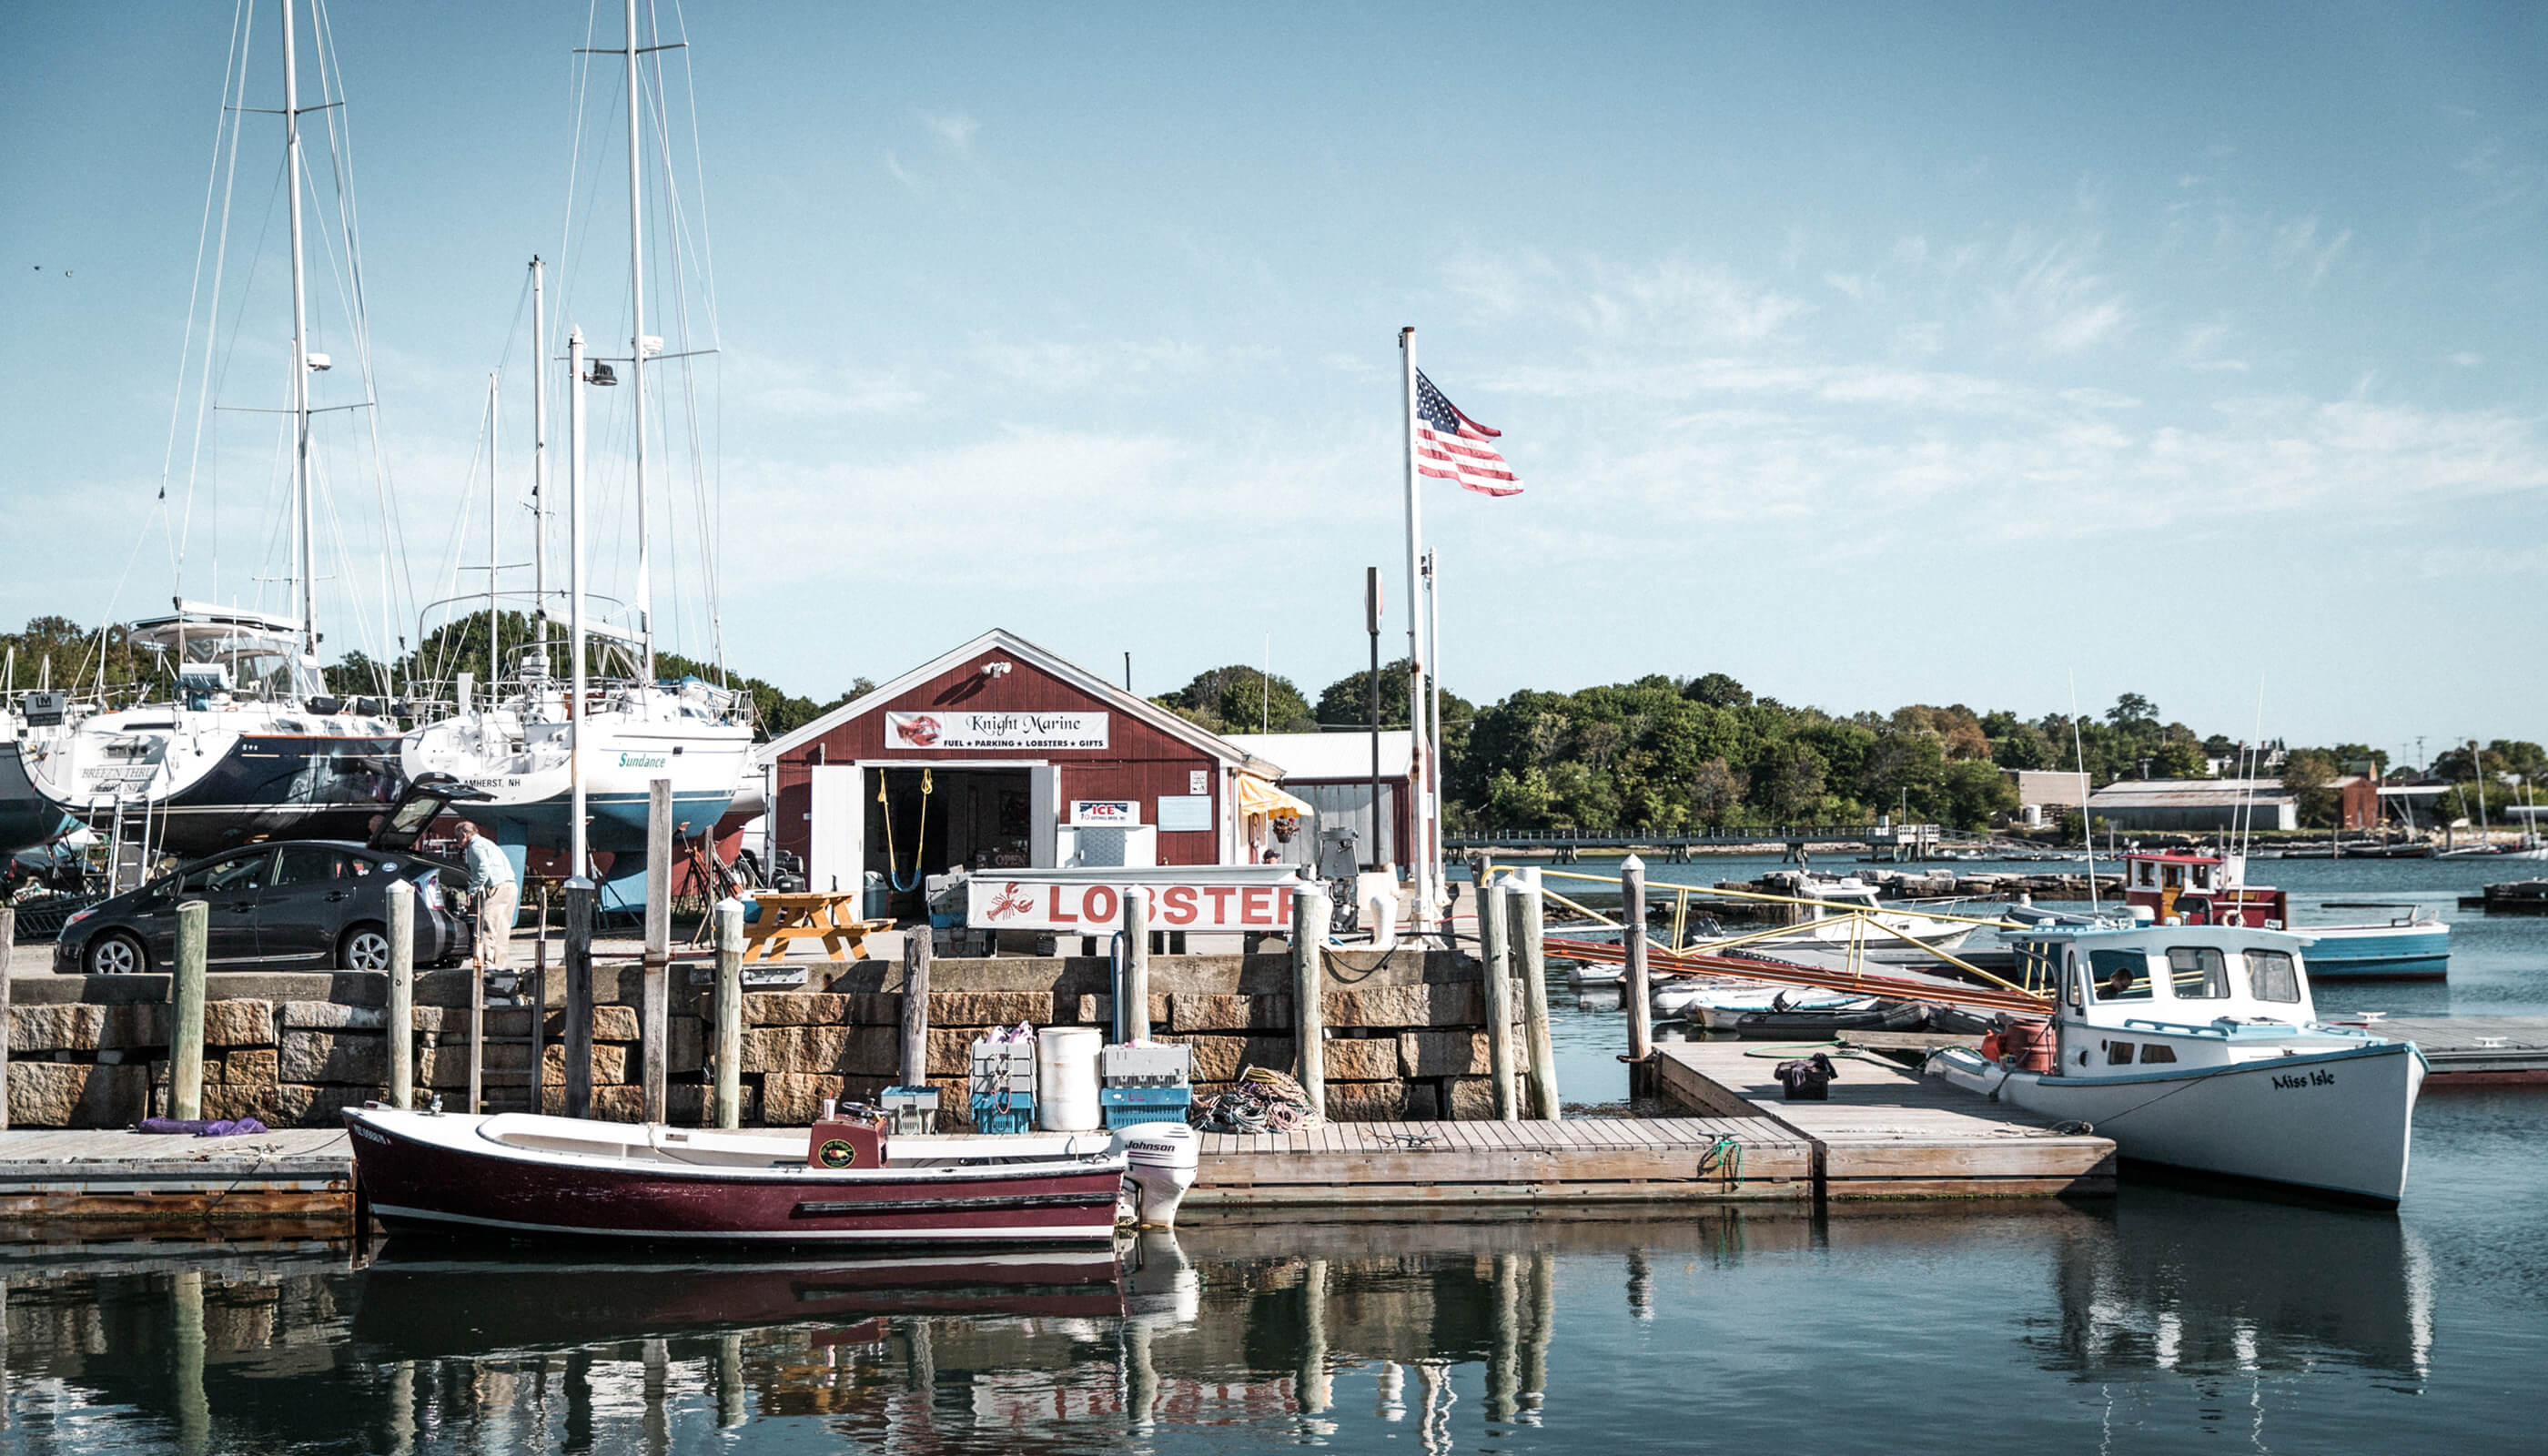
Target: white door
<point>837,839</point>
<point>1044,814</point>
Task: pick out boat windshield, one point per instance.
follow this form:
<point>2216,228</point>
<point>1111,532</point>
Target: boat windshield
<point>2198,974</point>
<point>2120,975</point>
<point>2272,976</point>
<point>259,666</point>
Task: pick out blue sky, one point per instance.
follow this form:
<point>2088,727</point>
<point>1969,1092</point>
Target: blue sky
<point>1871,354</point>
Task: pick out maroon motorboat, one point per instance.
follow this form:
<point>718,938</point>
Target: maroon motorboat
<point>842,1182</point>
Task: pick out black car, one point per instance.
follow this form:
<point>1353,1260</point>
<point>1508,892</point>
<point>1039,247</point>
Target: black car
<point>293,903</point>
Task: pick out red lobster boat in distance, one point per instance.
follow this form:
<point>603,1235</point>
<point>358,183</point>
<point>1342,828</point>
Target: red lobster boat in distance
<point>531,1177</point>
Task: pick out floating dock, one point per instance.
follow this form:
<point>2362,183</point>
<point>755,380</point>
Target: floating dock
<point>94,1186</point>
<point>1891,1132</point>
<point>1585,1160</point>
<point>2468,1051</point>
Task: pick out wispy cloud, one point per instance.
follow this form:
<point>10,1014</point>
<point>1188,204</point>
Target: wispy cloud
<point>1116,366</point>
<point>953,130</point>
<point>2201,350</point>
<point>2297,246</point>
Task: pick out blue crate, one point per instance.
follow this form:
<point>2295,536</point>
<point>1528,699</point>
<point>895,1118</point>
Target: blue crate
<point>1126,1106</point>
<point>1003,1112</point>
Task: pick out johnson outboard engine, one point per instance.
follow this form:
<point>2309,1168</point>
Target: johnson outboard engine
<point>1159,1160</point>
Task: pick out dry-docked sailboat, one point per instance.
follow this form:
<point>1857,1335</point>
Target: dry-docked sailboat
<point>27,821</point>
<point>568,766</point>
<point>250,743</point>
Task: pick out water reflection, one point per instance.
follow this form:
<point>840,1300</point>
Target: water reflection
<point>1454,1334</point>
<point>2203,1283</point>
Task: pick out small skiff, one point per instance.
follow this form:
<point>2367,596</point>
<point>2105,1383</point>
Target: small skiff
<point>841,1182</point>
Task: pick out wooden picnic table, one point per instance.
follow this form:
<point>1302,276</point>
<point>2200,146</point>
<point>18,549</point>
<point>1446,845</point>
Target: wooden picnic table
<point>787,918</point>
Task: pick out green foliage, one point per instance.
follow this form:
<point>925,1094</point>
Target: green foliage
<point>2311,773</point>
<point>1238,699</point>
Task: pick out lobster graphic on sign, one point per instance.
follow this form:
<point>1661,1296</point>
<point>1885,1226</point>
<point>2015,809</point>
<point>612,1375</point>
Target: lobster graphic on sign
<point>1013,902</point>
<point>919,730</point>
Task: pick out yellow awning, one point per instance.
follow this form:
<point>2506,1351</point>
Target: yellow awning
<point>1257,796</point>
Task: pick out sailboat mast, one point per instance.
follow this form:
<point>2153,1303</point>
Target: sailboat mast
<point>302,517</point>
<point>539,461</point>
<point>494,527</point>
<point>637,358</point>
<point>578,863</point>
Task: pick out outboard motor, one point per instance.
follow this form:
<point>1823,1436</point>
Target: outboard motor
<point>1159,1159</point>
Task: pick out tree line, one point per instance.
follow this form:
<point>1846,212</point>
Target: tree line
<point>1665,752</point>
<point>1681,754</point>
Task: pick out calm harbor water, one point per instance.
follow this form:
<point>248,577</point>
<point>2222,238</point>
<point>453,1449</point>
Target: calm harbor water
<point>2169,1318</point>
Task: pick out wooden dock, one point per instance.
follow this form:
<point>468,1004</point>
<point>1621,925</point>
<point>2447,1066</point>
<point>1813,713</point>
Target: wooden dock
<point>2469,1051</point>
<point>1587,1161</point>
<point>1889,1133</point>
<point>110,1184</point>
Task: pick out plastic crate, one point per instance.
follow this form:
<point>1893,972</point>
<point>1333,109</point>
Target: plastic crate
<point>1003,1112</point>
<point>1125,1106</point>
<point>912,1112</point>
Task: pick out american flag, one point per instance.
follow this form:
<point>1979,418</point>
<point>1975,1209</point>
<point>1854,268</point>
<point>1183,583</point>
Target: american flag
<point>1453,447</point>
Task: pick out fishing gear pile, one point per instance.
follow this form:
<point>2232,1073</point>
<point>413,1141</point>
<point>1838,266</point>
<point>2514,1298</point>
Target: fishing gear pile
<point>1262,1100</point>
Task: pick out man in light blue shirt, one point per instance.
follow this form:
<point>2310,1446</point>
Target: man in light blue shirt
<point>491,878</point>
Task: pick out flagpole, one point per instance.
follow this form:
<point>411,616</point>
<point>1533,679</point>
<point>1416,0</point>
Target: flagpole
<point>1421,866</point>
<point>1433,698</point>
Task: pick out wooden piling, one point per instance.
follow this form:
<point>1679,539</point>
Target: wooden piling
<point>1133,998</point>
<point>401,1012</point>
<point>579,997</point>
<point>1641,1011</point>
<point>477,1029</point>
<point>1531,954</point>
<point>729,1014</point>
<point>8,951</point>
<point>1309,912</point>
<point>657,995</point>
<point>915,1005</point>
<point>1495,942</point>
<point>186,1026</point>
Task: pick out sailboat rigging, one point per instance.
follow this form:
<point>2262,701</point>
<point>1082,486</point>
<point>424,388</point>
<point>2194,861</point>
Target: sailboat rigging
<point>250,743</point>
<point>569,768</point>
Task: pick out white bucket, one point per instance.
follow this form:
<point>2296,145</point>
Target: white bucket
<point>1066,1078</point>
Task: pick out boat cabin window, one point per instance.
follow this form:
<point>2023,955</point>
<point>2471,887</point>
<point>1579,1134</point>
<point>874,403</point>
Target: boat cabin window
<point>2271,976</point>
<point>2173,877</point>
<point>2198,974</point>
<point>2120,975</point>
<point>2203,877</point>
<point>2148,873</point>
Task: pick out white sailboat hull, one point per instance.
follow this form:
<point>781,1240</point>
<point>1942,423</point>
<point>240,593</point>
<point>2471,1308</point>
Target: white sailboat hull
<point>530,788</point>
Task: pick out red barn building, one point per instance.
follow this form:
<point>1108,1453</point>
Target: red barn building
<point>1000,755</point>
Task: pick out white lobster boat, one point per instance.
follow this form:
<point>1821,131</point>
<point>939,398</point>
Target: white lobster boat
<point>2198,1047</point>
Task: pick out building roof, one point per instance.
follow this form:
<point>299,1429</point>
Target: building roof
<point>1323,757</point>
<point>1000,640</point>
<point>2189,793</point>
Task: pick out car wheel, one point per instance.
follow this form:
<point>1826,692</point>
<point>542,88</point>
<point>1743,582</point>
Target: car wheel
<point>115,953</point>
<point>366,947</point>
